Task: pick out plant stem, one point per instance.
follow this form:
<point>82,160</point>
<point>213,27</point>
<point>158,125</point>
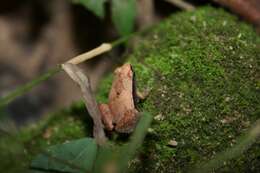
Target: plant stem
<point>105,47</point>
<point>244,143</point>
<point>182,4</point>
<point>27,87</point>
<point>128,151</point>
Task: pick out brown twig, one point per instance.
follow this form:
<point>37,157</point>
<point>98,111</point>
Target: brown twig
<point>248,9</point>
<point>82,80</point>
<point>182,4</point>
<point>245,141</point>
<point>105,47</point>
<point>146,13</point>
<point>51,72</point>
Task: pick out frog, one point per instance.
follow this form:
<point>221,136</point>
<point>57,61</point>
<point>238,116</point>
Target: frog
<point>120,113</point>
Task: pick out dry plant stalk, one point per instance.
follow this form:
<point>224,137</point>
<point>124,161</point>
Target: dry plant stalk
<point>90,54</point>
<point>246,8</point>
<point>182,4</point>
<point>77,75</point>
<point>245,142</point>
<point>146,13</point>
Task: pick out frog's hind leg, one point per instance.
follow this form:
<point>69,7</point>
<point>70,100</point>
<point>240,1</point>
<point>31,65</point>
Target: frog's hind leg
<point>106,116</point>
<point>142,95</point>
<point>128,122</point>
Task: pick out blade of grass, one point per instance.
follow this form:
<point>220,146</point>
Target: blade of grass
<point>129,150</point>
<point>115,159</point>
<point>244,143</point>
<point>27,87</point>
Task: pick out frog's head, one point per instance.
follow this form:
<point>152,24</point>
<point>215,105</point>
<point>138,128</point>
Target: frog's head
<point>124,71</point>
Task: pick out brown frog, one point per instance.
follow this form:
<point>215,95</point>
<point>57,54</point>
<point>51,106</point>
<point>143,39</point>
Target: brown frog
<point>120,114</point>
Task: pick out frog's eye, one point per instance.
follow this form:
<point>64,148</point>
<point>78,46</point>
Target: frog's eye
<point>118,70</point>
<point>130,74</point>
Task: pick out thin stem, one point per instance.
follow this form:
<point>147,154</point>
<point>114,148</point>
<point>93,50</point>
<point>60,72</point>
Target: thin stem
<point>247,140</point>
<point>105,47</point>
<point>27,87</point>
<point>51,72</point>
<point>128,151</point>
<point>182,4</point>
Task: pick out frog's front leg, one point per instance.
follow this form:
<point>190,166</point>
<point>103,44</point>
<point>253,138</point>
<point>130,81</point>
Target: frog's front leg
<point>106,116</point>
<point>140,96</point>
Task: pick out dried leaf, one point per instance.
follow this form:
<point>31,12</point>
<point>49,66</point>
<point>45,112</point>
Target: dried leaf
<point>82,80</point>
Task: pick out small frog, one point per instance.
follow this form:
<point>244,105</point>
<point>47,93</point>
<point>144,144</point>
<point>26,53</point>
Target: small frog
<point>120,114</point>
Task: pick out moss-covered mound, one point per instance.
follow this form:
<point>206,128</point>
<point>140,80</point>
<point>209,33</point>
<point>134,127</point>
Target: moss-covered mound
<point>202,70</point>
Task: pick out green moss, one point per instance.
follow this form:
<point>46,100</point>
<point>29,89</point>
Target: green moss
<point>18,149</point>
<point>103,90</point>
<point>202,69</point>
<point>205,89</point>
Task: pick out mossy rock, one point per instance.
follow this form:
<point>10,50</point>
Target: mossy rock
<point>202,70</point>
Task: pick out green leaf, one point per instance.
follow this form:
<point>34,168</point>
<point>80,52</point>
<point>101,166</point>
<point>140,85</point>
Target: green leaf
<point>106,157</point>
<point>96,6</point>
<point>75,157</point>
<point>123,15</point>
<point>83,155</point>
<point>129,150</point>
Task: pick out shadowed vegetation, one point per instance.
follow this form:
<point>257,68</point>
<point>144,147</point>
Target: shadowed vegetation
<point>203,72</point>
